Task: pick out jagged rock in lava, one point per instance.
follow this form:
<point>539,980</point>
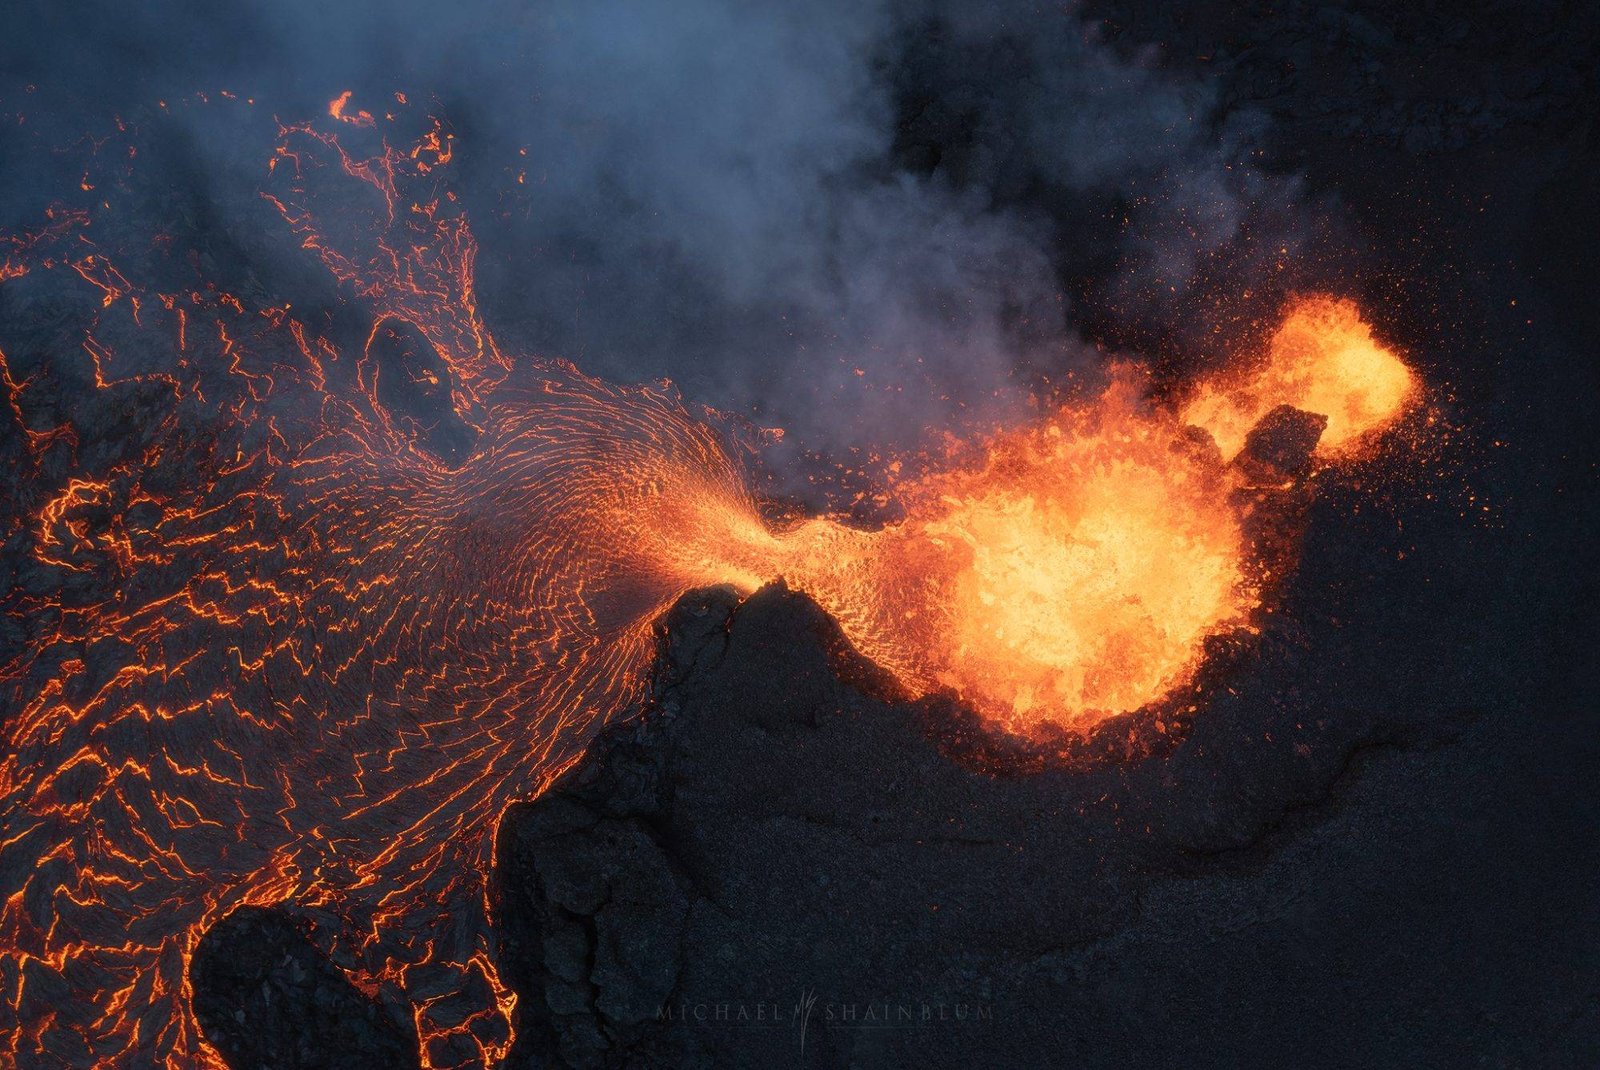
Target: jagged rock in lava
<point>413,384</point>
<point>267,997</point>
<point>1278,449</point>
<point>1275,501</point>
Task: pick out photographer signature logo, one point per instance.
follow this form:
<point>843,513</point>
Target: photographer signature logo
<point>811,1012</point>
<point>802,1013</point>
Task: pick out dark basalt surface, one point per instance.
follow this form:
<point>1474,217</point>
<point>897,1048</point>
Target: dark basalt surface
<point>266,996</point>
<point>1307,876</point>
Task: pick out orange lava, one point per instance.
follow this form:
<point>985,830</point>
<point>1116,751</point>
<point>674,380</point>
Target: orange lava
<point>1072,575</point>
<point>1322,359</point>
<point>301,661</point>
<point>1076,572</point>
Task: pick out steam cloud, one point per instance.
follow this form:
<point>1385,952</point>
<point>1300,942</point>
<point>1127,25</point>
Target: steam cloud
<point>857,220</point>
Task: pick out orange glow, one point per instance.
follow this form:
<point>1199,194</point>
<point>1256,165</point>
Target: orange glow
<point>310,663</point>
<point>1072,576</point>
<point>337,106</point>
<point>1323,359</point>
<point>1076,572</point>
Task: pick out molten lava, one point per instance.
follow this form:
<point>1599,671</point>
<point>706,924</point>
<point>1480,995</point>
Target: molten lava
<point>1323,359</point>
<point>1076,572</point>
<point>1072,575</point>
<point>300,659</point>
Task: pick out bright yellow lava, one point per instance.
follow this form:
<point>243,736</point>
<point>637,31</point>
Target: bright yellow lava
<point>1076,572</point>
<point>1323,359</point>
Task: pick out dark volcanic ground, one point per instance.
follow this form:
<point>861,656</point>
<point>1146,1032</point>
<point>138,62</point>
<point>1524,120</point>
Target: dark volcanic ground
<point>1377,847</point>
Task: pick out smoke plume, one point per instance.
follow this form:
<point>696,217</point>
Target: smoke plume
<point>865,222</point>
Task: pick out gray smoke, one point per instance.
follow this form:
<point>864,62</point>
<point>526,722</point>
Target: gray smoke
<point>851,218</point>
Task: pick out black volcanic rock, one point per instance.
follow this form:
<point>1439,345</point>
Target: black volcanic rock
<point>413,385</point>
<point>267,997</point>
<point>1278,448</point>
<point>770,834</point>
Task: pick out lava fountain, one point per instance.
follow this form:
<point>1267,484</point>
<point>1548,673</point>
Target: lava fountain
<point>1076,570</point>
<point>280,653</point>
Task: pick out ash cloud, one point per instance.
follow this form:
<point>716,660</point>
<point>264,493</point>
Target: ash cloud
<point>865,222</point>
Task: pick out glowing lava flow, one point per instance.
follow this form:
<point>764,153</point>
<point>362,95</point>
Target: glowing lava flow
<point>1077,570</point>
<point>1071,575</point>
<point>1323,359</point>
<point>303,661</point>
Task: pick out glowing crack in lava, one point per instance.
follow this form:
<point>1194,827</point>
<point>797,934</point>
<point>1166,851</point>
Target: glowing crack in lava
<point>300,659</point>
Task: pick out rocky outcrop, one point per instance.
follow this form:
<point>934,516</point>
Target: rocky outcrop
<point>777,834</point>
<point>266,996</point>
